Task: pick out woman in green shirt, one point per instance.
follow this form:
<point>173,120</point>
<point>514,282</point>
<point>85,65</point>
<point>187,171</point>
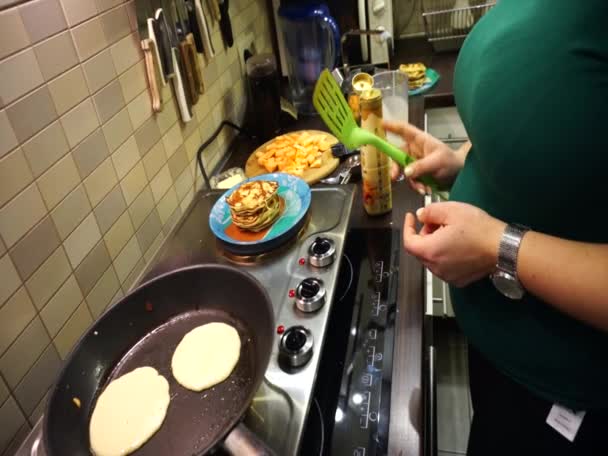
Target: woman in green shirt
<point>531,86</point>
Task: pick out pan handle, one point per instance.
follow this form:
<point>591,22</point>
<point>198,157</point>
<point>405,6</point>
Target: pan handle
<point>242,442</point>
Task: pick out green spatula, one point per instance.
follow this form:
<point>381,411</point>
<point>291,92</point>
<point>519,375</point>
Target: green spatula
<point>335,112</point>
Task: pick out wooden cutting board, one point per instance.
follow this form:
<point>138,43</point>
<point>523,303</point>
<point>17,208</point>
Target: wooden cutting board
<point>311,175</point>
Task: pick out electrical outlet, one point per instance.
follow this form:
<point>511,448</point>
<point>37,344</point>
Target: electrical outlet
<point>246,42</point>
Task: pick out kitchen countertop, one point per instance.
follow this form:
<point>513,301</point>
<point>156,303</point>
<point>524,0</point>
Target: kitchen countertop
<point>406,421</point>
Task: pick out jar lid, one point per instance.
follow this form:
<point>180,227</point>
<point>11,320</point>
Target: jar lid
<point>370,96</point>
<point>362,82</point>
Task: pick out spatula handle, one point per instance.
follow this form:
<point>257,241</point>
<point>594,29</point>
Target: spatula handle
<point>399,156</point>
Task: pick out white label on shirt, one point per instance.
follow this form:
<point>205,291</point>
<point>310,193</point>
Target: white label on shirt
<point>565,421</point>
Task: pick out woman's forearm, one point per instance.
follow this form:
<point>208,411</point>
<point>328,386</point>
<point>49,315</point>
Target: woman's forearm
<point>571,276</point>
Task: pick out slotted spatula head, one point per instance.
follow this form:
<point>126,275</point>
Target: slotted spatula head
<point>331,105</point>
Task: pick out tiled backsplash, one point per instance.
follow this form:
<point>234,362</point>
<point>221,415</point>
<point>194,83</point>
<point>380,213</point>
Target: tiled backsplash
<point>91,181</point>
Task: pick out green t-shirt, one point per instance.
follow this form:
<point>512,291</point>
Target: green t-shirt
<point>531,86</point>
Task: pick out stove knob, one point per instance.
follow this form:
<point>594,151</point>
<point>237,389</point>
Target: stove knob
<point>295,347</point>
<point>310,295</point>
<point>322,252</point>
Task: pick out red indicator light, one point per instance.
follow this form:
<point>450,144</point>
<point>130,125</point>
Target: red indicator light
<point>302,261</point>
<point>292,293</point>
<point>280,329</point>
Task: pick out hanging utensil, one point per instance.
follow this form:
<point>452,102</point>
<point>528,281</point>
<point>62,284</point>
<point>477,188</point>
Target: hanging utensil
<point>194,26</point>
<point>214,8</point>
<point>190,49</point>
<point>205,30</point>
<point>153,72</point>
<point>164,11</point>
<point>225,24</point>
<point>337,115</point>
<point>185,54</point>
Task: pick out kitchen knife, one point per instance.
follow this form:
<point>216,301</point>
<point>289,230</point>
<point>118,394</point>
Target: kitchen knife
<point>192,55</point>
<point>161,29</point>
<point>178,79</point>
<point>185,52</point>
<point>147,45</point>
<point>225,24</point>
<point>205,27</point>
<point>194,26</point>
<point>214,7</point>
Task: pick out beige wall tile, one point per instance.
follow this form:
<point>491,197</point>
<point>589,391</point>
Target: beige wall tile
<point>82,240</point>
<point>99,70</point>
<point>118,129</point>
<point>31,251</point>
<point>32,113</point>
<point>141,207</point>
<point>3,391</point>
<point>178,162</point>
<point>125,157</point>
<point>167,205</point>
<point>183,184</point>
<point>8,140</point>
<point>101,181</point>
<point>100,296</point>
<point>2,247</point>
<point>15,315</point>
<point>92,267</point>
<point>58,181</point>
<point>133,81</point>
<point>109,101</point>
<point>40,408</point>
<point>154,160</point>
<point>172,220</point>
<point>10,278</point>
<point>48,278</point>
<point>161,183</point>
<point>149,230</point>
<point>134,276</point>
<point>77,11</point>
<point>71,211</point>
<point>15,174</point>
<point>167,117</point>
<point>19,74</point>
<point>187,200</point>
<point>68,90</point>
<point>90,153</point>
<point>79,122</point>
<point>140,109</point>
<point>13,36</point>
<point>56,55</point>
<point>73,329</point>
<point>172,139</point>
<point>110,208</point>
<point>46,148</point>
<point>89,38</point>
<point>134,183</point>
<point>115,24</point>
<point>192,144</point>
<point>153,250</point>
<point>119,235</point>
<point>38,380</point>
<point>127,259</point>
<point>24,352</point>
<point>147,136</point>
<point>61,306</point>
<point>12,423</point>
<point>126,53</point>
<point>132,13</point>
<point>42,18</point>
<point>103,5</point>
<point>18,216</point>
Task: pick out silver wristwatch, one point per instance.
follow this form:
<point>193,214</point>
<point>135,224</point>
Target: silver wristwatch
<point>505,278</point>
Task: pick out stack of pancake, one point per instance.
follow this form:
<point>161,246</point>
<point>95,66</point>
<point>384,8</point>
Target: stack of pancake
<point>416,74</point>
<point>255,205</point>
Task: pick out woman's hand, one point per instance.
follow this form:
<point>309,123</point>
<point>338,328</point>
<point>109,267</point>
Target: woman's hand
<point>433,157</point>
<point>457,242</point>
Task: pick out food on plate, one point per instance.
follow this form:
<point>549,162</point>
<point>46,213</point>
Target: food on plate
<point>128,412</point>
<point>294,153</point>
<point>206,356</point>
<point>255,205</point>
<point>416,74</point>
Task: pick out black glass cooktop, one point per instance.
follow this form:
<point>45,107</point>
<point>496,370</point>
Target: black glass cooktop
<point>350,415</point>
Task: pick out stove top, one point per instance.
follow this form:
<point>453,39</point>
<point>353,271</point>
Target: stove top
<point>301,278</point>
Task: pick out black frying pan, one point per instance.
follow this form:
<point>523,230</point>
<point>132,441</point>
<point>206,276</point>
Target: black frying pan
<point>143,329</point>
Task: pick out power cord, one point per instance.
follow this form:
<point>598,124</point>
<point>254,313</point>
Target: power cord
<point>215,134</point>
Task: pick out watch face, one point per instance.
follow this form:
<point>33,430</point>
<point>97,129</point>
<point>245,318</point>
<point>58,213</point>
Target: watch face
<point>508,285</point>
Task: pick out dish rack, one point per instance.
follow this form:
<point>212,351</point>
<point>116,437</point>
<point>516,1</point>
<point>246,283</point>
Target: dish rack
<point>447,22</point>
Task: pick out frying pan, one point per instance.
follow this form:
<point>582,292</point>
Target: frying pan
<point>143,329</point>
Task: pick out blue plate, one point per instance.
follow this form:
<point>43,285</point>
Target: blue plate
<point>294,191</point>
